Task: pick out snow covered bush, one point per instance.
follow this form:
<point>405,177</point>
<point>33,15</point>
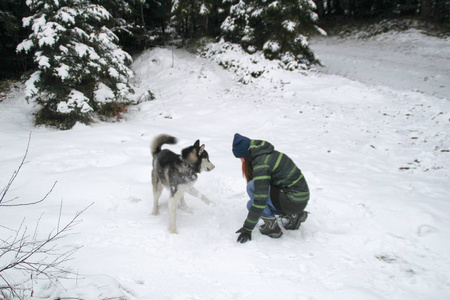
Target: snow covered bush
<point>247,67</point>
<point>232,57</point>
<point>80,69</point>
<point>279,28</point>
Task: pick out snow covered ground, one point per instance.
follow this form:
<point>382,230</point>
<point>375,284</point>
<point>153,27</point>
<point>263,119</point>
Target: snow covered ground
<point>409,61</point>
<point>374,150</point>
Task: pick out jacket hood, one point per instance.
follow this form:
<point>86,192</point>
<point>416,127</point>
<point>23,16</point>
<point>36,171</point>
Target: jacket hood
<point>258,147</point>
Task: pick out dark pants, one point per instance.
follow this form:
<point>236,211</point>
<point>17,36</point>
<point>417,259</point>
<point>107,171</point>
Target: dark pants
<point>277,203</point>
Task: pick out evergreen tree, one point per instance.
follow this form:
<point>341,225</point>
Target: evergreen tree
<point>127,22</point>
<point>186,17</point>
<point>122,15</point>
<point>279,28</point>
<point>80,68</point>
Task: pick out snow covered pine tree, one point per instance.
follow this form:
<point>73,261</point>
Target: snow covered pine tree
<point>80,68</point>
<point>279,28</point>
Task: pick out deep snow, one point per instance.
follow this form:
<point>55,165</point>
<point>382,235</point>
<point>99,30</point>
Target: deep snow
<point>374,152</point>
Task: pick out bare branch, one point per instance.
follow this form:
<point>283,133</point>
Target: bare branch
<point>13,177</point>
<point>11,181</point>
<point>9,286</point>
<point>30,254</point>
<point>39,257</point>
<point>30,203</point>
<point>39,247</point>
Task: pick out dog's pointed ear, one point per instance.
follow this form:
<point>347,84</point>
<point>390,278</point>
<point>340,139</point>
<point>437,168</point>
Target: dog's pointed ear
<point>197,144</point>
<point>202,148</point>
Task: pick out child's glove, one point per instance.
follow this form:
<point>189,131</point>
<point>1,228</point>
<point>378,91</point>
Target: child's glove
<point>245,235</point>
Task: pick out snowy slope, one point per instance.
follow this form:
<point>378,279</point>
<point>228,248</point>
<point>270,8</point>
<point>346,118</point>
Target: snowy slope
<point>375,156</point>
<point>409,61</point>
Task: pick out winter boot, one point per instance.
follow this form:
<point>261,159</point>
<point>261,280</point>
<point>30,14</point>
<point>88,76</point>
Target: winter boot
<point>294,221</point>
<point>271,227</point>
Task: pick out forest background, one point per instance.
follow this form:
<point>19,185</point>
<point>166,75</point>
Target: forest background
<point>141,24</point>
<point>73,55</point>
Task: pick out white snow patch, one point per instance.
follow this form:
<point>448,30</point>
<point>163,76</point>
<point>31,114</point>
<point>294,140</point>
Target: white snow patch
<point>272,46</point>
<point>75,100</point>
<point>289,25</point>
<point>104,94</point>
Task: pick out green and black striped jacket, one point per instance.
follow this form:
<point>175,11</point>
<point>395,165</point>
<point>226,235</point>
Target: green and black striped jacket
<point>271,167</point>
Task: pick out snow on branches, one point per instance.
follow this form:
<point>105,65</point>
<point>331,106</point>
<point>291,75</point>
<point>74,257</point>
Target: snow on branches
<point>279,28</point>
<point>76,56</point>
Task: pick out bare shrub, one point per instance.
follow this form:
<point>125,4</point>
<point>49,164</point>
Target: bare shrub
<point>25,256</point>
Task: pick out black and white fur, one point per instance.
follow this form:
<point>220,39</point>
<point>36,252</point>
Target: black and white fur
<point>177,173</point>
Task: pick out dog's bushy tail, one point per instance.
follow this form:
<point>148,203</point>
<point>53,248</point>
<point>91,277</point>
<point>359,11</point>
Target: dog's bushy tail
<point>160,140</point>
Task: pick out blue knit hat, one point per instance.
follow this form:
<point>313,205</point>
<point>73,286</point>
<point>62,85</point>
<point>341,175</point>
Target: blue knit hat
<point>241,144</point>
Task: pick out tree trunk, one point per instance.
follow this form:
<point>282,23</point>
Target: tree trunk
<point>425,9</point>
<point>329,10</point>
<point>142,16</point>
<point>320,8</point>
<point>337,7</point>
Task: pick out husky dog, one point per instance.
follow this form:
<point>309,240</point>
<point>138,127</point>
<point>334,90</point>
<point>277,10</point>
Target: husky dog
<point>177,173</point>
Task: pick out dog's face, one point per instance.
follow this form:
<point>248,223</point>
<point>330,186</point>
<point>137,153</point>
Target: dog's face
<point>205,165</point>
<point>196,155</point>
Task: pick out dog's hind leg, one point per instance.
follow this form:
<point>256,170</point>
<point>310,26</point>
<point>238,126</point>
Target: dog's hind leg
<point>173,205</point>
<point>157,190</point>
<point>194,192</point>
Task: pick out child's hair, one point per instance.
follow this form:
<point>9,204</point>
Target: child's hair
<point>247,169</point>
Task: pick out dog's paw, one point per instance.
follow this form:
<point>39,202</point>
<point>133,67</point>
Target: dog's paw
<point>155,213</point>
<point>173,231</point>
<point>211,203</point>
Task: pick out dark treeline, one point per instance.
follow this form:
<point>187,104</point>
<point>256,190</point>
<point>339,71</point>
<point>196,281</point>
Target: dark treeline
<point>429,10</point>
<point>12,33</point>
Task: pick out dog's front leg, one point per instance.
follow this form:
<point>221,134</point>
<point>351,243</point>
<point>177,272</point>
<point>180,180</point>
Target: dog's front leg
<point>194,192</point>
